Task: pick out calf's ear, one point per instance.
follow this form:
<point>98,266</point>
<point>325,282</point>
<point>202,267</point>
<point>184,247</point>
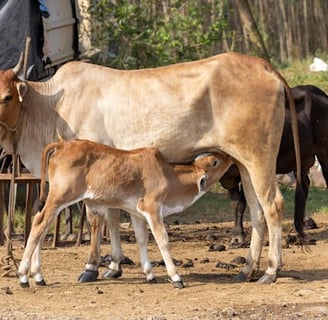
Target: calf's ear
<point>21,89</point>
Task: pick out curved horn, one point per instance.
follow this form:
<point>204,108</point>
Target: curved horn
<point>19,65</point>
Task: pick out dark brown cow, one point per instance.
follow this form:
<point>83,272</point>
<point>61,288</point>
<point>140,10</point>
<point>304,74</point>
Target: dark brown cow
<point>312,113</point>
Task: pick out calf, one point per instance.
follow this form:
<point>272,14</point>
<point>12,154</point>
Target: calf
<point>138,181</point>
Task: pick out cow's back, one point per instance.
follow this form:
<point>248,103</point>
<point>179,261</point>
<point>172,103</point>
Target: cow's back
<point>181,109</point>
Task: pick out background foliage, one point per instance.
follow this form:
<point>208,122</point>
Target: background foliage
<point>148,33</point>
<point>143,34</point>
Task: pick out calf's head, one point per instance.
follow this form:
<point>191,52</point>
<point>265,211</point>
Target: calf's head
<point>214,165</point>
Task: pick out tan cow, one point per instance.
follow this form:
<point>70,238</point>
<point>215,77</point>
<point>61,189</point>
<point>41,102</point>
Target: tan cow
<point>138,181</point>
<point>229,103</point>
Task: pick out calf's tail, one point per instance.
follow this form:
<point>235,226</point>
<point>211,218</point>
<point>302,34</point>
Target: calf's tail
<point>47,152</point>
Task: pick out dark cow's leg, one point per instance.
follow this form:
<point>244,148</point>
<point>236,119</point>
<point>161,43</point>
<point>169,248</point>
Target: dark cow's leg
<point>323,160</point>
<point>239,204</point>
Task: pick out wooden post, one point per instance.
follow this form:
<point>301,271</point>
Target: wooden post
<point>2,212</point>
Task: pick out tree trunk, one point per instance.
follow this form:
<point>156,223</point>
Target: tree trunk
<point>250,29</point>
<point>306,31</point>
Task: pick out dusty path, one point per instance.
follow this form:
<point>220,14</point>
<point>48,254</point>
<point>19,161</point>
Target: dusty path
<point>301,291</point>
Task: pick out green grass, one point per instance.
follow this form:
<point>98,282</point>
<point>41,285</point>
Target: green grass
<point>215,206</point>
<point>298,73</point>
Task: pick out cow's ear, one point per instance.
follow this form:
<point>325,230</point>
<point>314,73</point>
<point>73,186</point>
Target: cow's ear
<point>21,89</point>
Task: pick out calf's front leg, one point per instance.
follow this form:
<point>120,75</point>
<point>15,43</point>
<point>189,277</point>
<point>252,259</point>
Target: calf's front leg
<point>141,233</point>
<point>151,211</point>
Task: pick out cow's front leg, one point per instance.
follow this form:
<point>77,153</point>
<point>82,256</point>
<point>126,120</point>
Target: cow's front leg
<point>90,272</point>
<point>151,211</point>
<point>113,221</point>
<point>141,233</point>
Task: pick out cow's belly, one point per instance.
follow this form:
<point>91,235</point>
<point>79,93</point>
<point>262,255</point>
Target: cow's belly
<point>178,138</point>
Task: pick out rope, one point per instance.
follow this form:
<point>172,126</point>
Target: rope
<point>9,256</point>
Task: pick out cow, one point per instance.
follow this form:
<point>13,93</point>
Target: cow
<point>229,103</point>
<point>312,113</point>
<point>139,181</point>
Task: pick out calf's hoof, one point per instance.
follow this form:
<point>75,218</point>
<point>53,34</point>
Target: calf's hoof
<point>267,279</point>
<point>112,274</point>
<point>24,284</point>
<point>41,283</point>
<point>240,277</point>
<point>88,276</point>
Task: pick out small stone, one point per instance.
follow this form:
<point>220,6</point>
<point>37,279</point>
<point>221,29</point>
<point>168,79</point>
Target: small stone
<point>215,247</point>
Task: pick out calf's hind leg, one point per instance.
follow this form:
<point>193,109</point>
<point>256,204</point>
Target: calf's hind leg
<point>32,255</point>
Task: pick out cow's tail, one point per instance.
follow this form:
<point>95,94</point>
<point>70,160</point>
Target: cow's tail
<point>299,211</point>
<point>47,152</point>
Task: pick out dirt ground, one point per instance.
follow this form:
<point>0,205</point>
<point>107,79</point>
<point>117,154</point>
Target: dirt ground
<point>301,291</point>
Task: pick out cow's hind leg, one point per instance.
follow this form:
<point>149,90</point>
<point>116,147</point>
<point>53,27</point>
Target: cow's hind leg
<point>266,204</point>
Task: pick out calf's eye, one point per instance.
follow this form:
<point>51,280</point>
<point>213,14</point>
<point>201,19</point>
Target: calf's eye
<point>215,163</point>
<point>7,98</point>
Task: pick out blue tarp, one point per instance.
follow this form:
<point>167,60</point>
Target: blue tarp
<point>19,19</point>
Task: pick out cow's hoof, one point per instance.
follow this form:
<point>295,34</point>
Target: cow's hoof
<point>177,284</point>
<point>240,277</point>
<point>112,274</point>
<point>41,283</point>
<point>237,241</point>
<point>88,276</point>
<point>24,284</point>
<point>267,279</point>
<point>153,280</point>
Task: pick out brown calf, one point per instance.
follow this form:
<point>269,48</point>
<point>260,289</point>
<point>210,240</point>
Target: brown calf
<point>138,181</point>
